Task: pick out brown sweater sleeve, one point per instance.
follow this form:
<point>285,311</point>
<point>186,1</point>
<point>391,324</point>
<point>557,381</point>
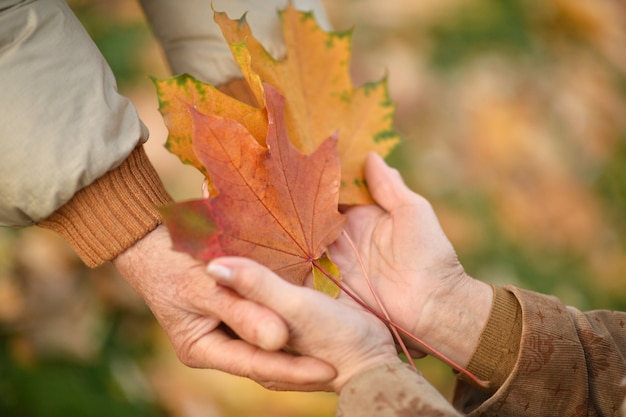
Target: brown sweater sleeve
<point>107,217</point>
<point>568,363</point>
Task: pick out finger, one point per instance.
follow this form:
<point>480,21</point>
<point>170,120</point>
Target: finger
<point>257,283</point>
<point>251,321</point>
<point>385,183</point>
<point>275,370</point>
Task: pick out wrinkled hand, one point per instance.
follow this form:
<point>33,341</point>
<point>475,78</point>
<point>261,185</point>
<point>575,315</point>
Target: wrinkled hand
<point>413,267</point>
<point>190,307</point>
<point>338,332</point>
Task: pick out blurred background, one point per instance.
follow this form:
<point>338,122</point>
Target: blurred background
<point>513,114</point>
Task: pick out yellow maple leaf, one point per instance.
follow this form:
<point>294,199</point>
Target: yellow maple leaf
<point>315,79</point>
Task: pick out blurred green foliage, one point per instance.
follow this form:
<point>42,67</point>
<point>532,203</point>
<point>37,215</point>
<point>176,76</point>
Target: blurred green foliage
<point>611,188</point>
<point>60,385</point>
<point>122,41</point>
<point>479,27</point>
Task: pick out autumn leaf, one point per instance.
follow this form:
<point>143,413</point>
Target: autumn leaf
<point>321,282</point>
<point>275,204</point>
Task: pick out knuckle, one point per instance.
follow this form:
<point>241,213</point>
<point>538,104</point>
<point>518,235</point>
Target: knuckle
<point>272,385</point>
<point>183,353</point>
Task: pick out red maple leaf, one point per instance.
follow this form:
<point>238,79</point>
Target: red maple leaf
<point>274,204</point>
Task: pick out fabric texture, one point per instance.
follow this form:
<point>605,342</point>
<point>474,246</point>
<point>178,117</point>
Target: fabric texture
<point>569,363</point>
<point>392,390</point>
<point>498,346</point>
<point>109,216</point>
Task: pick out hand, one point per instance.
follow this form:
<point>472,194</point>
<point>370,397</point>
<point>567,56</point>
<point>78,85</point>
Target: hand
<point>190,307</point>
<point>338,332</point>
<point>413,267</point>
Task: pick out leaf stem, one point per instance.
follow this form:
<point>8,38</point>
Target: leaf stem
<point>394,326</point>
<point>382,308</point>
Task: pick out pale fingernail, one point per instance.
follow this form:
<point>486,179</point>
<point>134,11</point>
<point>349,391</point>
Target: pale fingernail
<point>269,335</point>
<point>219,272</point>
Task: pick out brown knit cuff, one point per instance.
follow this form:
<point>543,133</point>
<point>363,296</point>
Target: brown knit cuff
<point>498,346</point>
<point>107,217</point>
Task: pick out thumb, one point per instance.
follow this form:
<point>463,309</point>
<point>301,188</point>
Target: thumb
<point>385,183</point>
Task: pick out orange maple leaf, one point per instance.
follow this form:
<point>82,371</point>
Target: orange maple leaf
<point>274,204</point>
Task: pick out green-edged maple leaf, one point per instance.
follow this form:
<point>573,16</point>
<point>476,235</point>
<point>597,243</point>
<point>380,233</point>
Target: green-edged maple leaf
<point>275,204</point>
<point>175,94</point>
<point>315,79</point>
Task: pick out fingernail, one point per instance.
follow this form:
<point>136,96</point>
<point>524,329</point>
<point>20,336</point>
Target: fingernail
<point>219,272</point>
<point>269,335</point>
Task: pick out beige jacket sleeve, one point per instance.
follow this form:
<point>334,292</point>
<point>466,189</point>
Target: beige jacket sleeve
<point>193,43</point>
<point>62,123</point>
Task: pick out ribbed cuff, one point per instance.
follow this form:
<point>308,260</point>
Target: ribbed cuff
<point>498,346</point>
<point>109,216</point>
